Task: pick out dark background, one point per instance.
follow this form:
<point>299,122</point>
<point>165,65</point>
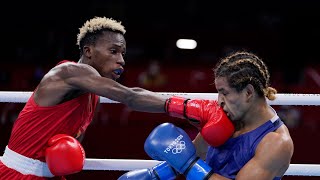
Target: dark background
<point>36,35</point>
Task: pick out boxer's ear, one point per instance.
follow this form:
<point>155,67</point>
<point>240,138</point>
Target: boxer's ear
<point>249,90</point>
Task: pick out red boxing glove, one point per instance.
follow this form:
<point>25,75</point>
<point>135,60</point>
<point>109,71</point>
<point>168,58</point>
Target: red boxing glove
<point>214,125</point>
<point>65,155</point>
<point>218,128</point>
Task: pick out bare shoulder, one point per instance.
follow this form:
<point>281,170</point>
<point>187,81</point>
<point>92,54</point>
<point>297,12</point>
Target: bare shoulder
<point>280,138</point>
<point>276,149</point>
<point>272,156</point>
<point>54,83</point>
<point>280,141</point>
<point>68,69</point>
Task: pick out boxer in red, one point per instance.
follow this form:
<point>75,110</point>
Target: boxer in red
<point>63,104</point>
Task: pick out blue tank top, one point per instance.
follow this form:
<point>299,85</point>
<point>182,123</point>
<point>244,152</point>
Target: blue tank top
<point>228,159</point>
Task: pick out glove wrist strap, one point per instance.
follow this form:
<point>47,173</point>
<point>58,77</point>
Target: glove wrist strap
<point>176,107</point>
<point>198,170</point>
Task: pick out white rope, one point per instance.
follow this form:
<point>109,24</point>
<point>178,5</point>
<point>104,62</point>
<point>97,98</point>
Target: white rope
<point>128,165</point>
<point>282,99</point>
<point>118,164</point>
<point>133,164</point>
<point>303,170</point>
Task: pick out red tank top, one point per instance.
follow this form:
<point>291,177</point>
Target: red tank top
<point>35,125</point>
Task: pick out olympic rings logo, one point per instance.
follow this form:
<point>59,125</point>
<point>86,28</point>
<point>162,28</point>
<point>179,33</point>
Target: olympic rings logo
<point>179,147</point>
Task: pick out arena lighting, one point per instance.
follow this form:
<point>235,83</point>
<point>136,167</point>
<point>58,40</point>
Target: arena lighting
<point>186,44</point>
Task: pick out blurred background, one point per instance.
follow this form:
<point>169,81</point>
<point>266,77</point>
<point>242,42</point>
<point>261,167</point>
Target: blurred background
<point>285,34</point>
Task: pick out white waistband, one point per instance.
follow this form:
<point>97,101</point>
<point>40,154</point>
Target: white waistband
<point>25,165</point>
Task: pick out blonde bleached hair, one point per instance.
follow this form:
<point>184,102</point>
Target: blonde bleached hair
<point>95,26</point>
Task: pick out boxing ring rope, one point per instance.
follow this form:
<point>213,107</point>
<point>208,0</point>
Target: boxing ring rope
<point>128,165</point>
<point>132,164</point>
<point>282,99</point>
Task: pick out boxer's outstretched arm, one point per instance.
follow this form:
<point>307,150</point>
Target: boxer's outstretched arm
<point>81,77</point>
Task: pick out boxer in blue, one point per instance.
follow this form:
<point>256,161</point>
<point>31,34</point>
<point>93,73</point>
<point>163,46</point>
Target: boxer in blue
<point>259,148</point>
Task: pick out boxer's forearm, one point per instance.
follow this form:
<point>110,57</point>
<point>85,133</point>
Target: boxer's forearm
<point>201,146</point>
<point>146,101</point>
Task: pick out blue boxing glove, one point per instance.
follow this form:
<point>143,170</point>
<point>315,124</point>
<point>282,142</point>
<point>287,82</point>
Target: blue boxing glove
<point>162,171</point>
<point>170,143</point>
